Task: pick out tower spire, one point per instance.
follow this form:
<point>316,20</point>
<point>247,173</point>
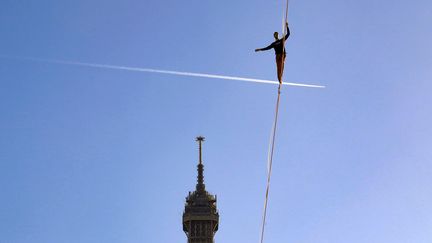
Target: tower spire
<point>200,187</point>
<point>200,217</point>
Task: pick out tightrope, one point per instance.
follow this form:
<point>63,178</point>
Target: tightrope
<point>273,137</point>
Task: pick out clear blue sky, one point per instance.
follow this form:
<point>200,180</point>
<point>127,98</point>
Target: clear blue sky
<point>92,155</point>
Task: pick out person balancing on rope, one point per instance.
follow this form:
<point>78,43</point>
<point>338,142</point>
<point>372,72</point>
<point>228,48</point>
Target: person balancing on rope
<point>279,47</point>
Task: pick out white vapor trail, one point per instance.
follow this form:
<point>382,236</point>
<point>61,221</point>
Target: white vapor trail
<point>149,70</point>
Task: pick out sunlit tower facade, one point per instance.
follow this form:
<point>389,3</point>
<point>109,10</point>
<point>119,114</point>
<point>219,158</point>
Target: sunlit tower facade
<point>200,217</point>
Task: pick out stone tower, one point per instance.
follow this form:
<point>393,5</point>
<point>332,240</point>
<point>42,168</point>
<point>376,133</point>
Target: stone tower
<point>200,217</point>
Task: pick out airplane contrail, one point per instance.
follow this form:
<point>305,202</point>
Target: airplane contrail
<point>149,70</point>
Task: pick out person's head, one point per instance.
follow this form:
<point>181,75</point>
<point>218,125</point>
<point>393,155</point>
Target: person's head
<point>276,35</point>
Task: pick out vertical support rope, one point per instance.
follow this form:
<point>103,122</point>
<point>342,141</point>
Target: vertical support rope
<point>273,136</point>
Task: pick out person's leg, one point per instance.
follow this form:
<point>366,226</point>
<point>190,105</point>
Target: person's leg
<point>282,65</point>
<point>279,65</point>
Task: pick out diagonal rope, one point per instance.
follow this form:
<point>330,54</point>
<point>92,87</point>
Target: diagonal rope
<point>270,163</point>
<point>273,138</point>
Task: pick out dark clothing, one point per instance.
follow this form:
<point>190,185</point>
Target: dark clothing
<point>280,63</point>
<point>278,45</point>
<point>279,49</point>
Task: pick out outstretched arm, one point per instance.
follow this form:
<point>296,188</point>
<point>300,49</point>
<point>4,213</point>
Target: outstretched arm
<point>265,48</point>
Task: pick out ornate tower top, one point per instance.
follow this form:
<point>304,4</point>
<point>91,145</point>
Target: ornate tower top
<point>200,187</point>
<point>200,217</point>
